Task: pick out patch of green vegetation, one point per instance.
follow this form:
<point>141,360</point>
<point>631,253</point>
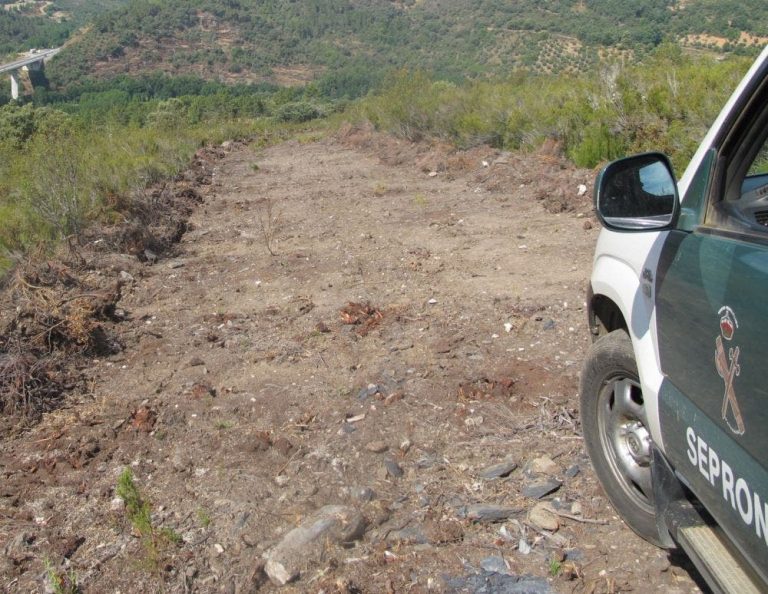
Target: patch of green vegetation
<point>137,508</point>
<point>83,159</point>
<point>171,536</point>
<point>665,103</point>
<point>60,582</point>
<point>203,517</point>
<point>420,200</point>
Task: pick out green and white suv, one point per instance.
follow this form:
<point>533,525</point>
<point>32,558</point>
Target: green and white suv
<point>674,391</point>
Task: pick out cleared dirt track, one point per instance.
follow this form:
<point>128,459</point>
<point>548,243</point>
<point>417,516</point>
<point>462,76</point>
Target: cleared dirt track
<point>421,320</point>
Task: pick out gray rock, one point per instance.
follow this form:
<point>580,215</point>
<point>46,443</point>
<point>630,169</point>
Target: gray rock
<point>577,555</point>
<point>393,468</point>
<point>368,391</point>
<point>539,489</point>
<point>181,461</point>
<point>117,504</point>
<point>173,264</point>
<point>426,461</point>
<point>499,470</point>
<point>305,545</point>
<point>482,512</point>
<point>412,535</point>
<point>495,565</point>
<point>126,277</point>
<point>364,494</point>
<point>572,471</point>
<point>488,582</point>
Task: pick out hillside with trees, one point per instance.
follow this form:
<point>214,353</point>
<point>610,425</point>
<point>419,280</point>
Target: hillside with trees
<point>597,78</point>
<point>24,25</point>
<point>345,45</point>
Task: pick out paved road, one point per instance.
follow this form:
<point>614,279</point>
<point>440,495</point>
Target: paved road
<point>36,57</point>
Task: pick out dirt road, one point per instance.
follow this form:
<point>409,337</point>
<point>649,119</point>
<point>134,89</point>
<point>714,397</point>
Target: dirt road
<point>408,353</point>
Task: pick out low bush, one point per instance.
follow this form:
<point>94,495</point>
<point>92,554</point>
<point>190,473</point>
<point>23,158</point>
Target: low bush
<point>665,103</point>
<point>298,112</point>
<point>61,172</point>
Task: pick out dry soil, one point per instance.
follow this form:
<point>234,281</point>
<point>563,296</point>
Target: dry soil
<point>348,321</point>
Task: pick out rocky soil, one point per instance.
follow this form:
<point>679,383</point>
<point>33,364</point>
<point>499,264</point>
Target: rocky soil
<point>356,372</point>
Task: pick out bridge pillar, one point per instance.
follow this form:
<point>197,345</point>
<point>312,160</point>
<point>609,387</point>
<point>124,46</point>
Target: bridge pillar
<point>14,84</point>
<point>27,71</point>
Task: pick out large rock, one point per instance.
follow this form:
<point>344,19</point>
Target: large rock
<point>303,546</point>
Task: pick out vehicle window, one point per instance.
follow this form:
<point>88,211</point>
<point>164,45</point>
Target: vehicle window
<point>740,189</point>
<point>760,165</point>
<point>753,201</point>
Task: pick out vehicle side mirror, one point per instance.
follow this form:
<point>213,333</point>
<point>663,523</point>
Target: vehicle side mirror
<point>637,193</point>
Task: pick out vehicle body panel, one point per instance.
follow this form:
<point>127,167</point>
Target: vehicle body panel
<point>731,485</point>
<point>618,274</point>
<point>695,301</point>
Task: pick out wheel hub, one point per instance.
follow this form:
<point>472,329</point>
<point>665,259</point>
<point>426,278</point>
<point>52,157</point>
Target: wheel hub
<point>638,442</point>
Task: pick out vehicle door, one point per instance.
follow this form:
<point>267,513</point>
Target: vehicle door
<point>712,319</point>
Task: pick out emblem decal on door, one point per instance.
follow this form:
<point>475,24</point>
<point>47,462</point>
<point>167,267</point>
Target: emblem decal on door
<point>728,368</point>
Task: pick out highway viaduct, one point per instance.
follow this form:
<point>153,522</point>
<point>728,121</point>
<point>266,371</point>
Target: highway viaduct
<point>34,60</point>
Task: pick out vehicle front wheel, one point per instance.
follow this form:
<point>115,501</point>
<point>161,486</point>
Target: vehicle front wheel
<point>615,427</point>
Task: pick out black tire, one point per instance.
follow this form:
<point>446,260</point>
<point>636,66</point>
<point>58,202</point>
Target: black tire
<point>614,424</point>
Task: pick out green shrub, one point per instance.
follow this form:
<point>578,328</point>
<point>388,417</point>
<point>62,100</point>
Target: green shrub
<point>60,172</point>
<point>136,507</point>
<point>298,112</point>
<point>665,103</point>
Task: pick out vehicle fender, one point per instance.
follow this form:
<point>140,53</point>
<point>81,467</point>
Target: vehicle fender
<point>627,278</point>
